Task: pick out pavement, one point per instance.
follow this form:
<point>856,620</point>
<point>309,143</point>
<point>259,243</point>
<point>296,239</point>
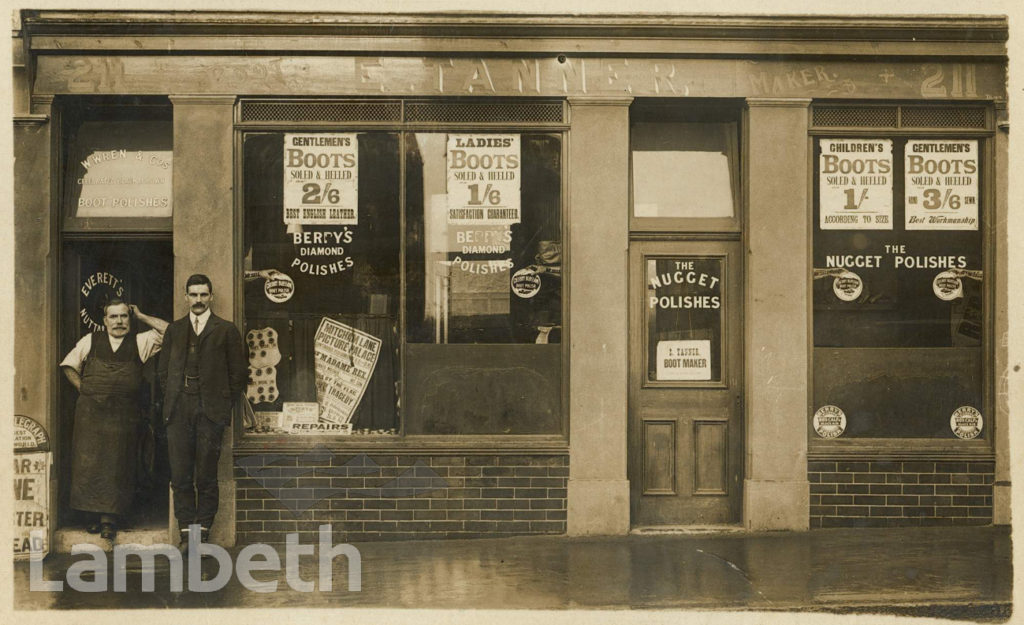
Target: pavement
<point>954,573</point>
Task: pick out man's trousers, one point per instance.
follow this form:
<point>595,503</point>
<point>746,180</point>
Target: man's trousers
<point>193,445</point>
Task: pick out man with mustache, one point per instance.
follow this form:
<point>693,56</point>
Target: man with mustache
<point>106,369</point>
<point>202,370</point>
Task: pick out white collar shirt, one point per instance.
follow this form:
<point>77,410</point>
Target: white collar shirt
<point>201,319</point>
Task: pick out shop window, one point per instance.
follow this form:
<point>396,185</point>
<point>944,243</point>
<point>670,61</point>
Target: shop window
<point>484,278</point>
<point>321,260</point>
<point>118,163</point>
<point>484,244</point>
<point>898,287</point>
<point>477,346</point>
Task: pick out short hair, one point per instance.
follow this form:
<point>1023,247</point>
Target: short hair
<point>114,301</point>
<point>198,278</point>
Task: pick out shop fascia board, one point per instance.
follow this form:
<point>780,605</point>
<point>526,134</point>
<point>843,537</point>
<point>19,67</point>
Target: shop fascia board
<point>469,33</point>
<point>506,46</point>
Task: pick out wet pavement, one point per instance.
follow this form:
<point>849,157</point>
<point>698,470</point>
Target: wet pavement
<point>944,572</point>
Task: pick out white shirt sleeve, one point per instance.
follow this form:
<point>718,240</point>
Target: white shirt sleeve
<point>149,343</point>
<point>78,353</point>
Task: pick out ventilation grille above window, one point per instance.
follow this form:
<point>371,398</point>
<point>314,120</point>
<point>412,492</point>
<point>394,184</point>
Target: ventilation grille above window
<point>501,112</point>
<point>941,117</point>
<point>321,112</point>
<point>960,117</point>
<point>397,111</point>
<point>856,116</point>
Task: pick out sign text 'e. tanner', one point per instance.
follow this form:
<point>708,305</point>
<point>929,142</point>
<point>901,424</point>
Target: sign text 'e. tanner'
<point>684,360</point>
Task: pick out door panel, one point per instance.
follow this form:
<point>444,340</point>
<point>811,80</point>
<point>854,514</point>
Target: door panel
<point>659,457</point>
<point>685,423</point>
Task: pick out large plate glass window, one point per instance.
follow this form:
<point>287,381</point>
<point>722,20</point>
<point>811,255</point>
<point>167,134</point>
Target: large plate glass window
<point>898,284</point>
<point>321,261</point>
<point>477,347</point>
<point>484,283</point>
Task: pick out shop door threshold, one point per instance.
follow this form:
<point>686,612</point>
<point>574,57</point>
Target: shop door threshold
<point>657,530</point>
<point>66,538</point>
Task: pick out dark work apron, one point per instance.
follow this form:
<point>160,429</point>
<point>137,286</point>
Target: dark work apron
<point>103,446</point>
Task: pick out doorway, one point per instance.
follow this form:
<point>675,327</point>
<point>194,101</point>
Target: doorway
<point>141,272</point>
<point>685,390</point>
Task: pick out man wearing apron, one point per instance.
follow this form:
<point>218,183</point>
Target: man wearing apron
<point>106,368</point>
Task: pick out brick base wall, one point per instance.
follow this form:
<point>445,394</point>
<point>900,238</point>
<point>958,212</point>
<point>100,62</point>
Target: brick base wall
<point>395,497</point>
<point>900,493</point>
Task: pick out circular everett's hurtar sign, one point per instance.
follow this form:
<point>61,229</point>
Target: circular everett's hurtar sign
<point>96,290</point>
<point>966,422</point>
<point>829,421</point>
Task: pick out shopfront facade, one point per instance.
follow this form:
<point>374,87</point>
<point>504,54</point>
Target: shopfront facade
<point>505,275</point>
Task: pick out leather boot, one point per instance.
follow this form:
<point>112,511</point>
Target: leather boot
<point>183,542</point>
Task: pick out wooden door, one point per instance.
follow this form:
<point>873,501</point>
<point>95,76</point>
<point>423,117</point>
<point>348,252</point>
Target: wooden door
<point>686,390</point>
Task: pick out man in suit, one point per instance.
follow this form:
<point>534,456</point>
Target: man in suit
<point>202,369</point>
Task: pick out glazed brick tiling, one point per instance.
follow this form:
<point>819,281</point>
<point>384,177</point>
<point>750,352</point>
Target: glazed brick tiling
<point>893,493</point>
<point>398,497</point>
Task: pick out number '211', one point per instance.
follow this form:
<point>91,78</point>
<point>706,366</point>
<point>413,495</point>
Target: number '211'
<point>963,81</point>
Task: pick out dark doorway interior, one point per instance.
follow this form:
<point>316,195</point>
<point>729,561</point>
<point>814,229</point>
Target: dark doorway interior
<point>141,272</point>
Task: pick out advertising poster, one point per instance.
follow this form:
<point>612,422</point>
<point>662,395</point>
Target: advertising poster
<point>321,179</point>
<point>942,184</point>
<point>484,177</point>
<point>345,359</point>
<point>684,360</point>
<point>31,487</point>
<point>855,184</point>
<point>299,412</point>
<point>123,171</point>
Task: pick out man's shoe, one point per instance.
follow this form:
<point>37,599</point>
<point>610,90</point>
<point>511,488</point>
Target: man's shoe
<point>204,534</point>
<point>183,543</point>
<point>108,531</point>
<point>93,527</point>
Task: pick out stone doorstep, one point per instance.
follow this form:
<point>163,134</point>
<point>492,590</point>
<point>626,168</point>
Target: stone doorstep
<point>66,538</point>
<point>658,530</point>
